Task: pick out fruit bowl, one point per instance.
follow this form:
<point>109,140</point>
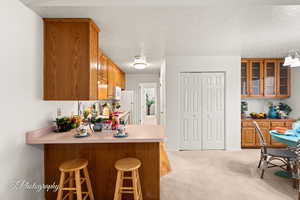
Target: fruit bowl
<point>258,115</point>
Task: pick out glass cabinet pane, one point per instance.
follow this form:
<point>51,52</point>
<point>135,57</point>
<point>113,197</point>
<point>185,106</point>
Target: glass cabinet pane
<point>270,77</point>
<point>256,78</point>
<point>244,82</point>
<point>283,79</point>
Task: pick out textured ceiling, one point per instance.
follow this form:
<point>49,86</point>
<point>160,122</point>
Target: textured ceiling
<point>250,28</point>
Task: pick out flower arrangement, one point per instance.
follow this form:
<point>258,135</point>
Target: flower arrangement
<point>282,110</point>
<point>98,123</point>
<point>86,113</point>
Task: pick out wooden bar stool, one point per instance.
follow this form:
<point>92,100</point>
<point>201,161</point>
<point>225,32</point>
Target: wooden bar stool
<point>131,165</point>
<point>72,169</point>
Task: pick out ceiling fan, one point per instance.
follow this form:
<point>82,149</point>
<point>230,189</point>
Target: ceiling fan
<point>292,59</point>
<point>140,62</point>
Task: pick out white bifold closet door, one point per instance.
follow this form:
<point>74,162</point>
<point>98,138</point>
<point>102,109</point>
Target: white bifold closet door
<point>202,111</point>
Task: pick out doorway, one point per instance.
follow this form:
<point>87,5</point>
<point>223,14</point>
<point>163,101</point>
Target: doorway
<point>202,108</point>
<point>148,103</point>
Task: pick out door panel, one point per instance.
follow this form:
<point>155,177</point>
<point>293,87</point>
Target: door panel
<point>244,79</point>
<point>270,78</point>
<point>256,78</point>
<point>213,111</point>
<point>248,137</point>
<point>191,112</point>
<point>202,111</point>
<point>283,85</point>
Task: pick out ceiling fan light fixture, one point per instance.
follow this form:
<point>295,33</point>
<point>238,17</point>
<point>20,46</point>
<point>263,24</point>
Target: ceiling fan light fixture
<point>139,65</point>
<point>140,62</point>
<point>288,61</point>
<point>292,59</point>
<point>295,63</point>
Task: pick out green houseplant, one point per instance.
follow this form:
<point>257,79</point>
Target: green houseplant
<point>244,108</point>
<point>149,103</point>
<point>97,121</point>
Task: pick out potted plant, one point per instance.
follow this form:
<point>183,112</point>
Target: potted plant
<point>273,114</point>
<point>244,108</point>
<point>97,121</point>
<point>284,110</point>
<point>149,103</point>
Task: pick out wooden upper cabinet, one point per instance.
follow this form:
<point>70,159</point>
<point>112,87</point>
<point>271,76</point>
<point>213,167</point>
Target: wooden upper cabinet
<point>270,78</point>
<point>264,78</point>
<point>102,76</point>
<point>70,59</point>
<point>284,80</point>
<point>111,79</point>
<point>120,78</point>
<point>256,78</point>
<point>123,80</point>
<point>244,78</point>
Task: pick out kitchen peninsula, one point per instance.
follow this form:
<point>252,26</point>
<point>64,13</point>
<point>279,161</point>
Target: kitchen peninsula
<point>102,150</point>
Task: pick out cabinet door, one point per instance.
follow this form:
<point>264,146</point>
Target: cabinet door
<point>94,50</point>
<point>270,78</point>
<point>266,134</point>
<point>110,80</point>
<point>244,78</point>
<point>104,69</point>
<point>256,78</point>
<point>118,77</point>
<point>248,137</point>
<point>70,59</point>
<point>123,80</point>
<point>283,85</point>
<point>102,78</point>
<point>289,125</point>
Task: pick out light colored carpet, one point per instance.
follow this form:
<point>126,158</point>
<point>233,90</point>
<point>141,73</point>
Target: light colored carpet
<point>226,175</point>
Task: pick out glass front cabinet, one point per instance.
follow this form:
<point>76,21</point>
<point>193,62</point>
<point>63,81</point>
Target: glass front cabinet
<point>270,72</point>
<point>283,83</point>
<point>244,79</point>
<point>264,78</point>
<point>256,78</point>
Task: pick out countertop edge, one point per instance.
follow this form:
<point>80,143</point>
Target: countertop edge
<point>40,136</point>
<point>96,142</point>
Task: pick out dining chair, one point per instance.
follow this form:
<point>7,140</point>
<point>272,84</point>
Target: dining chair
<point>268,155</point>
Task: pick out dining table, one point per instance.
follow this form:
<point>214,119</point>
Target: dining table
<point>289,138</point>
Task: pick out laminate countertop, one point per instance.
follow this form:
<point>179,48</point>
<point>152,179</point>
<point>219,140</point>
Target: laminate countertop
<point>136,134</point>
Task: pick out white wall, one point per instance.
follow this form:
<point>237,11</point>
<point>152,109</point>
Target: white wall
<point>22,108</point>
<point>294,100</point>
<point>229,64</point>
<point>132,83</point>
